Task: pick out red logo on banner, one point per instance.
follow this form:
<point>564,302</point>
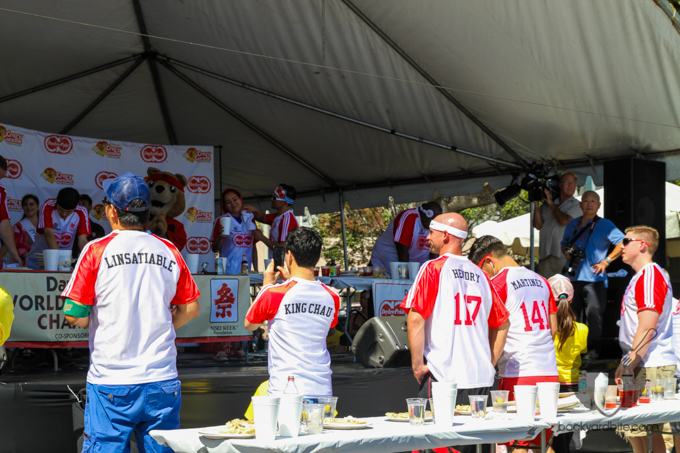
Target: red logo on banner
<point>58,144</point>
<point>199,245</point>
<point>194,215</point>
<point>9,137</point>
<point>104,149</point>
<point>98,211</point>
<point>13,204</point>
<point>51,175</point>
<point>63,239</point>
<point>390,308</point>
<point>224,302</point>
<point>199,184</point>
<point>242,240</point>
<point>423,244</point>
<point>194,155</point>
<point>154,153</point>
<point>103,176</point>
<point>14,169</point>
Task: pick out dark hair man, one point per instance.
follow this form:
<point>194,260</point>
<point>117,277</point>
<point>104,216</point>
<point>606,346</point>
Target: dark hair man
<point>132,290</point>
<point>300,311</point>
<point>282,222</point>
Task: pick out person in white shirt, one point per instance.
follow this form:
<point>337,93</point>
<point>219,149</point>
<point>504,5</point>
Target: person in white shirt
<point>300,312</point>
<point>132,290</point>
<point>455,320</point>
<point>240,239</point>
<point>283,221</point>
<point>645,332</point>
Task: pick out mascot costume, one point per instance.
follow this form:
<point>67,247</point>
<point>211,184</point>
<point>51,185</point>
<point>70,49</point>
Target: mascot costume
<point>167,202</point>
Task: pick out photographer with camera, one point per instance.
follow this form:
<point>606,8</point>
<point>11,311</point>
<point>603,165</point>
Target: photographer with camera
<point>551,219</point>
<point>585,245</point>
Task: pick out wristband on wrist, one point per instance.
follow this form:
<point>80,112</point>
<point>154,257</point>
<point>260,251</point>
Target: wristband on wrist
<point>608,260</point>
<point>76,310</point>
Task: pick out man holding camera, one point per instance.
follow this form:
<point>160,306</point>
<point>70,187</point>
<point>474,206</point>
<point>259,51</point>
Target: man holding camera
<point>585,245</point>
<point>551,219</point>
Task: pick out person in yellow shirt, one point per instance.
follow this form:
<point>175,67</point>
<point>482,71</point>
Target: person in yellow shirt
<point>6,315</point>
<point>571,340</point>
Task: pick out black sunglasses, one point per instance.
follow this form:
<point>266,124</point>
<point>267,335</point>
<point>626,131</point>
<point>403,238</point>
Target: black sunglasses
<point>627,241</point>
<point>105,201</point>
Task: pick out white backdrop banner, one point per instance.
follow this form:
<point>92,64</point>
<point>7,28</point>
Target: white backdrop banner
<point>43,164</point>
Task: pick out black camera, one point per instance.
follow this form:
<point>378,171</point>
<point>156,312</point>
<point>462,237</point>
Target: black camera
<point>538,180</point>
<point>576,256</point>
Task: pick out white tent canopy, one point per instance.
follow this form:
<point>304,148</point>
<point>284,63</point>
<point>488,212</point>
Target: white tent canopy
<point>363,98</point>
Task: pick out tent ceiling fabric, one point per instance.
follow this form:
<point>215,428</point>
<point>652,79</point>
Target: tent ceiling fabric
<point>339,94</point>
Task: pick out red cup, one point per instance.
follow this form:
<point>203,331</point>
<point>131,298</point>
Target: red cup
<point>325,271</point>
<point>316,271</point>
<point>629,398</point>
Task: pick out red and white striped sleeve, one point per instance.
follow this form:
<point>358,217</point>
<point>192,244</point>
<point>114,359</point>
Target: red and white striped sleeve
<point>423,294</point>
<point>80,287</point>
<point>4,211</point>
<point>404,225</point>
<point>650,290</point>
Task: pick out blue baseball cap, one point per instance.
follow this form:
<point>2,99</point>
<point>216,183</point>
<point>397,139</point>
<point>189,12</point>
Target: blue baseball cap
<point>127,187</point>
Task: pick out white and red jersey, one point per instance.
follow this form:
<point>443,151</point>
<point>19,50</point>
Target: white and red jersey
<point>240,240</point>
<point>4,211</point>
<point>131,279</point>
<point>65,230</point>
<point>300,314</point>
<point>529,349</point>
<point>459,306</point>
<point>281,226</point>
<point>406,229</point>
<point>649,289</point>
<point>675,323</point>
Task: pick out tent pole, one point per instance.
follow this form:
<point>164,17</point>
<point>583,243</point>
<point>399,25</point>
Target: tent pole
<point>344,229</point>
<point>531,235</point>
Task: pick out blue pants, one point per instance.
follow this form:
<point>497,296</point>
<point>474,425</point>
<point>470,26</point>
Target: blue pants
<point>113,412</point>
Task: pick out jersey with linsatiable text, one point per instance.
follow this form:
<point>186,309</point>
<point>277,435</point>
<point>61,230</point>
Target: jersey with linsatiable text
<point>300,314</point>
<point>529,350</point>
<point>459,306</point>
<point>131,279</point>
<point>649,289</point>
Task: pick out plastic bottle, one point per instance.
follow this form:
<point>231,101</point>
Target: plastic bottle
<point>583,394</point>
<point>244,264</point>
<point>333,271</point>
<point>601,383</point>
<point>291,388</point>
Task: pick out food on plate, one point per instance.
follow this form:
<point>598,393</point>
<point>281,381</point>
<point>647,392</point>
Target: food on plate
<point>238,426</point>
<point>404,415</point>
<point>349,420</point>
<point>463,407</point>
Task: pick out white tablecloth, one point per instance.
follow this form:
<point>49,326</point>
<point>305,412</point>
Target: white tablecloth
<point>384,436</point>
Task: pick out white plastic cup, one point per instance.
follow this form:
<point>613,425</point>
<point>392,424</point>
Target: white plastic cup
<point>290,410</point>
<point>525,399</point>
<point>444,399</point>
<point>225,221</point>
<point>192,262</point>
<point>394,270</point>
<point>548,396</point>
<point>413,268</point>
<point>51,258</point>
<point>65,260</point>
<point>266,412</point>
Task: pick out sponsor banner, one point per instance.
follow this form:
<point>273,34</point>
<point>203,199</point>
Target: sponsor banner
<point>43,163</point>
<point>38,315</point>
<point>387,296</point>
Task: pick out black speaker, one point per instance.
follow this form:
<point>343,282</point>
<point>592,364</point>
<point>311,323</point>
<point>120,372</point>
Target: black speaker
<point>635,194</point>
<point>382,342</point>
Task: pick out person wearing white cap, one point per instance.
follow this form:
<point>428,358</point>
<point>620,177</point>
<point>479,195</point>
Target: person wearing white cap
<point>405,238</point>
<point>132,290</point>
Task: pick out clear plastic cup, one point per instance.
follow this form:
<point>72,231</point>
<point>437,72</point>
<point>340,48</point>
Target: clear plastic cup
<point>478,405</point>
<point>499,400</point>
<point>312,417</point>
<point>658,387</point>
<point>416,410</point>
<point>669,388</point>
<point>329,405</point>
<point>610,397</point>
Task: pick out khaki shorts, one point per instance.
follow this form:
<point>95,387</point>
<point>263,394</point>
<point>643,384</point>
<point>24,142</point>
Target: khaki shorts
<point>641,375</point>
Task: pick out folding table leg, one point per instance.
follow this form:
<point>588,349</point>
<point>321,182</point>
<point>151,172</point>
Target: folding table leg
<point>544,447</point>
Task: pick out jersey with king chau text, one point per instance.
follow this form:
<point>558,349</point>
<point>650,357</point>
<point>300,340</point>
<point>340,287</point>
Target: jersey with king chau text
<point>529,349</point>
<point>300,314</point>
<point>131,279</point>
<point>649,289</point>
<point>459,306</point>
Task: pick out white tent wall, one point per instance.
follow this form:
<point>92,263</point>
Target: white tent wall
<point>367,97</point>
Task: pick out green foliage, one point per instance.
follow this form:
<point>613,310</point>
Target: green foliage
<point>515,207</point>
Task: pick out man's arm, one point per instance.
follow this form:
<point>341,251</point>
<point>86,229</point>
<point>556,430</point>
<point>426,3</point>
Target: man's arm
<point>51,238</point>
<point>182,314</point>
<point>497,338</point>
<point>562,217</point>
<point>82,241</point>
<point>553,325</point>
<point>647,319</point>
<point>402,252</point>
<point>600,267</point>
<point>416,343</point>
<point>7,235</point>
<point>538,219</point>
<point>257,215</point>
<point>77,314</point>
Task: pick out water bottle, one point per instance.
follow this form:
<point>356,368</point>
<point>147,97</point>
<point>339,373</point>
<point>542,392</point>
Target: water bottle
<point>583,394</point>
<point>291,388</point>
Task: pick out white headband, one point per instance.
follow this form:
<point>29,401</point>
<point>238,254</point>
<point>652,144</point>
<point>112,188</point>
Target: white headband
<point>434,225</point>
<point>429,213</point>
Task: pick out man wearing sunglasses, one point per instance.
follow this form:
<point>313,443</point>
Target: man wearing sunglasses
<point>645,333</point>
<point>592,235</point>
<point>282,222</point>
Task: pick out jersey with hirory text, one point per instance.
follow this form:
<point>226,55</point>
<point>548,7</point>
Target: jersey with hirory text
<point>65,230</point>
<point>529,349</point>
<point>282,225</point>
<point>459,306</point>
<point>131,279</point>
<point>300,313</point>
<point>649,289</point>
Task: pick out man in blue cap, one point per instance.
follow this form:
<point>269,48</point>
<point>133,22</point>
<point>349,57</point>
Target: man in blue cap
<point>132,290</point>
